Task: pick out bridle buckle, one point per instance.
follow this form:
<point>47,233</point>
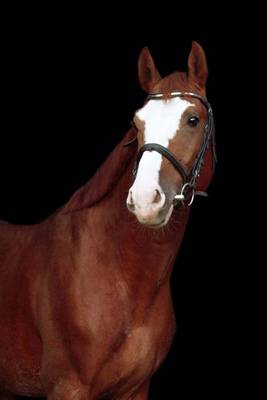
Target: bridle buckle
<point>183,196</point>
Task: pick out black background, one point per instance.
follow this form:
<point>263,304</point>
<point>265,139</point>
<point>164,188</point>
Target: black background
<point>69,91</point>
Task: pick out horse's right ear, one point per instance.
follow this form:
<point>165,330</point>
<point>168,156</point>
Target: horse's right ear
<point>147,71</point>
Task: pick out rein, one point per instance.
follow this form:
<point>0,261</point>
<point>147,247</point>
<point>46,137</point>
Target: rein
<point>188,191</point>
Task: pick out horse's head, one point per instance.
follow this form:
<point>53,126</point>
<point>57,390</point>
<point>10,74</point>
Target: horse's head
<point>175,140</point>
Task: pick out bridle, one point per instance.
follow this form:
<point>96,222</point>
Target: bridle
<point>188,191</point>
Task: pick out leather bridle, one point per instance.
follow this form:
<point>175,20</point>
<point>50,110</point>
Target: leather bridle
<point>188,191</point>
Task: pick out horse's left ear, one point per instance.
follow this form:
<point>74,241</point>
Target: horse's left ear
<point>197,66</point>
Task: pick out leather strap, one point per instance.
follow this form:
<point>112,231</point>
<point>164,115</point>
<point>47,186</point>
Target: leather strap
<point>166,153</point>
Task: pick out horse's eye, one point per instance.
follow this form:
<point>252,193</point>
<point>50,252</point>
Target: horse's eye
<point>193,121</point>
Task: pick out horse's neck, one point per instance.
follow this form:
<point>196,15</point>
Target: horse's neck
<point>105,178</point>
<point>102,201</point>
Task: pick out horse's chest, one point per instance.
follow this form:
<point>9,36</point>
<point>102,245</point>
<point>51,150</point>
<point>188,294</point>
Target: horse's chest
<point>138,357</point>
<point>139,350</point>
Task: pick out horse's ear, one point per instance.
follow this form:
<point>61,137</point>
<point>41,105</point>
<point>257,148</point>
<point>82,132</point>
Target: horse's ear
<point>147,71</point>
<point>197,65</point>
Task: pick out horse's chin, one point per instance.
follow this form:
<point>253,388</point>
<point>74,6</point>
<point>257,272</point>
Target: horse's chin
<point>160,222</point>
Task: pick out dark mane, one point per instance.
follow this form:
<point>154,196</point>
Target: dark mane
<point>105,177</point>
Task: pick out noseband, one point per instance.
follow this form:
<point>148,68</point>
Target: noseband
<point>188,191</point>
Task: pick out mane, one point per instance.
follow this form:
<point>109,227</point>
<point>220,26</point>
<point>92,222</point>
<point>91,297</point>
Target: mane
<point>105,178</point>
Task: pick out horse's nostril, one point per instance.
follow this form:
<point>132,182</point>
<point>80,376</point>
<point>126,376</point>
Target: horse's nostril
<point>157,197</point>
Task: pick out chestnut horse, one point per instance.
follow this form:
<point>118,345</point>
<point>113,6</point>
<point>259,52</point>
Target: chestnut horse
<point>86,310</point>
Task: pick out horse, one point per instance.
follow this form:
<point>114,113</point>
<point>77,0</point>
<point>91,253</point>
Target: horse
<point>86,308</point>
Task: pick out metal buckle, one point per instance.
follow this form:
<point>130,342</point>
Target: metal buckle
<point>182,197</point>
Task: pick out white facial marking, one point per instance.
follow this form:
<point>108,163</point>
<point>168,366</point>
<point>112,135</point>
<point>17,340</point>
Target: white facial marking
<point>162,119</point>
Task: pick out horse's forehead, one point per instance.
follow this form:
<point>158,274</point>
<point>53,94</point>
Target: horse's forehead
<point>157,109</point>
<point>162,118</point>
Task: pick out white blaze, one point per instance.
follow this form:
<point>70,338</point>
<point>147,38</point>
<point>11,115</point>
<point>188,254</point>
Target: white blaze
<point>162,120</point>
